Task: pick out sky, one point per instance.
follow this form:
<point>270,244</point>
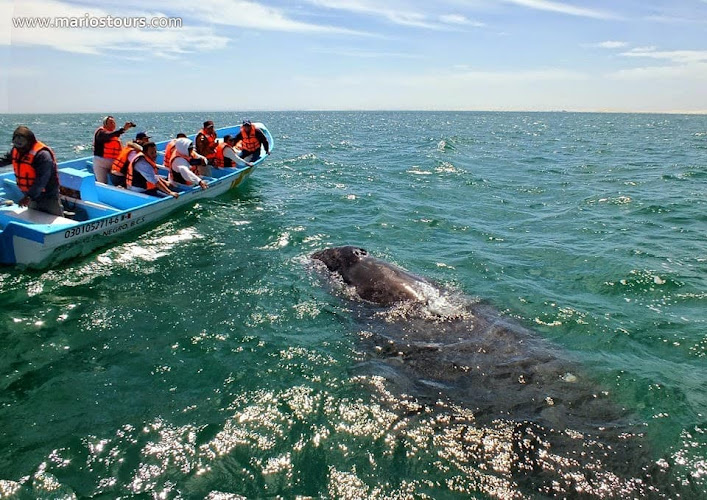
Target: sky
<point>271,55</point>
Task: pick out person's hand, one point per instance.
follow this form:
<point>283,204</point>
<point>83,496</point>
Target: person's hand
<point>128,125</point>
<point>203,184</point>
<point>24,202</point>
<point>249,163</point>
<point>174,194</point>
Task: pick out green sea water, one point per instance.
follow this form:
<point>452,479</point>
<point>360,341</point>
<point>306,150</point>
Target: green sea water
<point>208,358</point>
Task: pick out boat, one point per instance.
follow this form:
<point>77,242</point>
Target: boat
<point>101,213</point>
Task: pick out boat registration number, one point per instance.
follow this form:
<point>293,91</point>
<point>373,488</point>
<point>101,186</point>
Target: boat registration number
<point>110,225</point>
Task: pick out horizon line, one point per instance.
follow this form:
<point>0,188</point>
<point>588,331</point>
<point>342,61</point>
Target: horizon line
<point>364,110</point>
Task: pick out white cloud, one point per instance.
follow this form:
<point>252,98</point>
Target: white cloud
<point>609,44</point>
<point>411,13</point>
<point>364,54</point>
<point>685,65</point>
<point>675,56</point>
<point>251,15</point>
<point>527,76</point>
<point>545,88</point>
<point>5,21</point>
<point>198,31</point>
<point>133,41</point>
<point>453,79</point>
<point>563,8</point>
<point>396,12</point>
<point>686,73</point>
<point>459,19</point>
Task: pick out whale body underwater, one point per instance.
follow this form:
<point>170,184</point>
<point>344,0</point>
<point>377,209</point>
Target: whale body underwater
<point>566,433</point>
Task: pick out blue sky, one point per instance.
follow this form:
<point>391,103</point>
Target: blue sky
<point>625,55</point>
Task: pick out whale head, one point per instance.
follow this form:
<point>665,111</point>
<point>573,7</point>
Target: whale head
<point>339,259</point>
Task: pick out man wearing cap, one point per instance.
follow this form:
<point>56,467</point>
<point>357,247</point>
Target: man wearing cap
<point>205,144</point>
<point>251,139</point>
<point>143,176</point>
<point>36,172</point>
<point>128,153</point>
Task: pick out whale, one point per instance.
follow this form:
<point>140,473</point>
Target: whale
<point>446,349</point>
<point>450,343</point>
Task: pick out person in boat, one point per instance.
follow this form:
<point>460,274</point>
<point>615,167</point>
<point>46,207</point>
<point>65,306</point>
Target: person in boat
<point>169,149</point>
<point>205,142</point>
<point>226,156</point>
<point>36,172</point>
<point>251,139</point>
<point>107,147</point>
<point>142,174</point>
<point>184,164</point>
<point>120,164</point>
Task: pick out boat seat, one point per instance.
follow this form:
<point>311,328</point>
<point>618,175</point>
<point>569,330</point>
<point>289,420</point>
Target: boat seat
<point>91,207</point>
<point>12,190</point>
<point>27,215</point>
<point>127,192</point>
<point>78,182</point>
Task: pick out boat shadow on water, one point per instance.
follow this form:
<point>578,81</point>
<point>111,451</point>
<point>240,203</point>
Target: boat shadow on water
<point>512,413</point>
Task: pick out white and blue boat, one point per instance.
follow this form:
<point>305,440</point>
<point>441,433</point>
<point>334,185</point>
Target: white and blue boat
<point>102,212</point>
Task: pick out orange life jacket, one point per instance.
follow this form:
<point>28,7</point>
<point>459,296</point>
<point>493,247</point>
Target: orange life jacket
<point>250,142</point>
<point>138,180</point>
<point>120,164</point>
<point>168,151</point>
<point>220,160</point>
<point>24,171</point>
<point>112,147</point>
<point>212,143</point>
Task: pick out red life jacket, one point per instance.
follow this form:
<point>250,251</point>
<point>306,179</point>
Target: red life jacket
<point>24,171</point>
<point>211,146</point>
<point>138,180</point>
<point>112,147</point>
<point>220,160</point>
<point>250,142</point>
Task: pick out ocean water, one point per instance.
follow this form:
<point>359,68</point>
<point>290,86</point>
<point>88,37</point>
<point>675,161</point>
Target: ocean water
<point>209,358</point>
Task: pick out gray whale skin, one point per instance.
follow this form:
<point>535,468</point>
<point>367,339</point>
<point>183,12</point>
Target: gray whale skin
<point>375,280</point>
